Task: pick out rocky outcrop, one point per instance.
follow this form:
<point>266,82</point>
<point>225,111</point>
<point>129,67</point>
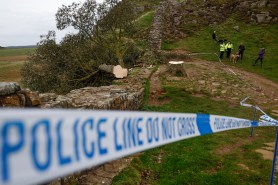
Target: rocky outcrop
<point>262,17</point>
<point>174,20</point>
<point>181,18</point>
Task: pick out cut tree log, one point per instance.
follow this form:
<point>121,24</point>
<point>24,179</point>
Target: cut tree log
<point>118,71</point>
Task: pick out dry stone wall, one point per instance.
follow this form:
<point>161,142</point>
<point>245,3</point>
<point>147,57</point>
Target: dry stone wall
<point>11,95</point>
<point>127,96</point>
<point>114,97</point>
<point>156,28</point>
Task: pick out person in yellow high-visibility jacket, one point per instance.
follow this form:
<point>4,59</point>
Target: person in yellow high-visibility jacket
<point>222,49</point>
<point>229,48</point>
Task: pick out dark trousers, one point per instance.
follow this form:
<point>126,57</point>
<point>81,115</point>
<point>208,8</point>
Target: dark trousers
<point>241,54</point>
<point>229,50</point>
<point>221,54</point>
<point>259,59</point>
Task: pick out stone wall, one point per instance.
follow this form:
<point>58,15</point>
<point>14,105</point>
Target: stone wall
<point>155,37</point>
<point>114,97</point>
<point>11,95</point>
<point>127,96</point>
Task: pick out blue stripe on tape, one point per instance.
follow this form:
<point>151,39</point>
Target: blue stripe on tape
<point>254,123</point>
<point>203,123</point>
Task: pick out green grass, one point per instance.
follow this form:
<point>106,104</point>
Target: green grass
<point>181,101</point>
<point>10,71</point>
<point>143,24</point>
<point>146,92</point>
<point>210,159</point>
<point>193,161</point>
<point>145,20</point>
<point>16,51</point>
<point>254,37</point>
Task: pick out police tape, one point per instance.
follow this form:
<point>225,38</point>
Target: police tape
<point>37,146</point>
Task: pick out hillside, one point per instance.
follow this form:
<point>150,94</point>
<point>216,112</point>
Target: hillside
<point>188,25</point>
<point>210,86</point>
<point>177,30</point>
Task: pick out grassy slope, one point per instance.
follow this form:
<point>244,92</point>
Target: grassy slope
<point>223,158</point>
<point>143,25</point>
<point>253,36</point>
<point>211,159</point>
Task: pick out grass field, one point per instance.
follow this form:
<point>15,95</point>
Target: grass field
<point>254,37</point>
<point>223,158</point>
<point>15,52</point>
<point>11,61</point>
<point>10,71</point>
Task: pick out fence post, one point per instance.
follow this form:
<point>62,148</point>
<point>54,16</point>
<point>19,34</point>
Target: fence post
<point>273,171</point>
<point>255,116</point>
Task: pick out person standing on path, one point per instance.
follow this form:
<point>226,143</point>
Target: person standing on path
<point>241,49</point>
<point>229,47</point>
<point>260,57</point>
<point>222,49</point>
<point>214,36</point>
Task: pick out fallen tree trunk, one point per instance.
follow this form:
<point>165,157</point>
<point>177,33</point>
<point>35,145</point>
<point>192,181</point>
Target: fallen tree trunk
<point>118,71</point>
<point>106,68</point>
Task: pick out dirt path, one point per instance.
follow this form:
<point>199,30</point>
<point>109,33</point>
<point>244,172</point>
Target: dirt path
<point>155,87</point>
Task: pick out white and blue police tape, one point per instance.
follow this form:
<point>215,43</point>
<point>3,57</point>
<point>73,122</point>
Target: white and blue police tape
<point>267,120</point>
<point>37,146</point>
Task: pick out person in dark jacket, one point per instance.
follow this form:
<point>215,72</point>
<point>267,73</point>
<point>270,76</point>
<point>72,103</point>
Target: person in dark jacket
<point>260,57</point>
<point>241,49</point>
<point>214,36</point>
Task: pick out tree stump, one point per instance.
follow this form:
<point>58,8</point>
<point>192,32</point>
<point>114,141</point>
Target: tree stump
<point>177,68</point>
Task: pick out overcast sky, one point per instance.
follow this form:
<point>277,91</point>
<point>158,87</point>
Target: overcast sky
<point>23,21</point>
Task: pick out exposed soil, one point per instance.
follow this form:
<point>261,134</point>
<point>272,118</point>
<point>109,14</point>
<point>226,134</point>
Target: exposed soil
<point>155,88</point>
<point>267,151</point>
<point>243,166</point>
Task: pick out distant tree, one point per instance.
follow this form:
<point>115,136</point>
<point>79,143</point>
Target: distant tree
<point>103,38</point>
